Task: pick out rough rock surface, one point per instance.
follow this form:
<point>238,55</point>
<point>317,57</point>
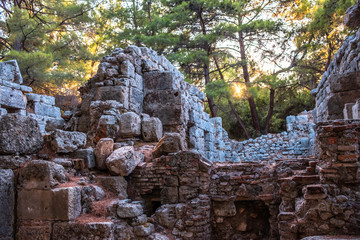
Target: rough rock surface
<point>128,209</point>
<point>151,129</point>
<point>123,161</point>
<point>130,125</point>
<point>103,150</point>
<point>19,134</point>
<point>66,142</point>
<point>40,174</point>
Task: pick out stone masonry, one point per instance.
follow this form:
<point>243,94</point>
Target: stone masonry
<point>140,159</point>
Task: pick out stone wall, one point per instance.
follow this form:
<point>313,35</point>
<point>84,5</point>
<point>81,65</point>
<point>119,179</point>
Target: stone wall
<point>340,83</point>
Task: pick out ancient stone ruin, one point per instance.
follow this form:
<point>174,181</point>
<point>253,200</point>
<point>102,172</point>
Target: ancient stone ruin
<point>140,159</point>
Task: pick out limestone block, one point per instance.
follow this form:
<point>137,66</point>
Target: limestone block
<point>10,71</point>
<point>128,209</point>
<point>66,142</point>
<point>151,129</point>
<point>115,184</point>
<point>103,149</point>
<point>87,154</point>
<point>161,81</point>
<point>3,111</point>
<point>43,109</point>
<point>19,134</point>
<point>49,100</point>
<point>11,85</point>
<point>136,99</point>
<point>344,82</point>
<point>13,161</point>
<point>144,230</point>
<point>123,161</point>
<point>117,93</point>
<point>40,174</point>
<point>169,143</point>
<point>25,89</point>
<point>166,215</point>
<point>74,230</point>
<point>130,125</point>
<point>127,68</point>
<point>7,203</point>
<point>123,231</point>
<point>137,82</point>
<point>355,110</point>
<point>348,114</point>
<point>12,98</point>
<point>121,81</point>
<point>54,123</point>
<point>58,204</point>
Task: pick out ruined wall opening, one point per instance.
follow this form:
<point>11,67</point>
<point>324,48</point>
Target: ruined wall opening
<point>247,220</point>
<point>152,202</point>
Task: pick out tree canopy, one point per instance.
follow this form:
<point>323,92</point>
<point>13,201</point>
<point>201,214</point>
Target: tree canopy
<point>256,60</point>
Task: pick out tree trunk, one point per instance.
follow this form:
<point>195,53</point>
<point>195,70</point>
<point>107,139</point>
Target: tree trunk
<point>233,109</point>
<point>238,119</point>
<point>254,113</point>
<point>207,48</point>
<point>271,110</point>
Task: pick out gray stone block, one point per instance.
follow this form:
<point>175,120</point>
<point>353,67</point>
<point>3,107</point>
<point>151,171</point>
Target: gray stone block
<point>114,184</point>
<point>66,142</point>
<point>151,129</point>
<point>103,149</point>
<point>117,93</point>
<point>158,80</point>
<point>87,154</point>
<point>13,161</point>
<point>128,209</point>
<point>10,71</point>
<point>7,203</point>
<point>12,98</point>
<point>49,100</point>
<point>43,109</point>
<point>127,68</point>
<point>32,97</point>
<point>130,125</point>
<point>123,161</point>
<point>19,134</point>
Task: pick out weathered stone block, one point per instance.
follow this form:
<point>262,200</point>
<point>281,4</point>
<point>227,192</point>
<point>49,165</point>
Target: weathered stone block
<point>130,125</point>
<point>86,154</point>
<point>161,81</point>
<point>355,110</point>
<point>151,129</point>
<point>19,134</point>
<point>344,82</point>
<point>49,100</point>
<point>32,97</point>
<point>348,113</point>
<point>123,161</point>
<point>144,230</point>
<point>115,184</point>
<point>7,203</point>
<point>40,174</point>
<point>127,209</point>
<point>117,93</point>
<point>127,68</point>
<point>10,71</point>
<point>12,98</point>
<point>58,204</point>
<point>166,215</point>
<point>13,161</point>
<point>66,142</point>
<point>103,150</point>
<point>43,109</point>
<point>169,143</point>
<point>352,16</point>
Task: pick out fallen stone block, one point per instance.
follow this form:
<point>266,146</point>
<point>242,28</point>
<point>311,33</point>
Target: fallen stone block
<point>12,98</point>
<point>62,204</point>
<point>130,125</point>
<point>10,71</point>
<point>128,209</point>
<point>66,142</point>
<point>169,143</point>
<point>123,161</point>
<point>7,203</point>
<point>115,184</point>
<point>103,149</point>
<point>19,134</point>
<point>151,129</point>
<point>41,174</point>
